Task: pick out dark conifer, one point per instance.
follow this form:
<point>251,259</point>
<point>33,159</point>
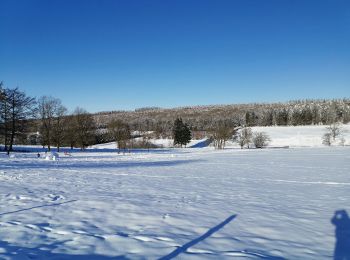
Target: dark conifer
<point>181,133</point>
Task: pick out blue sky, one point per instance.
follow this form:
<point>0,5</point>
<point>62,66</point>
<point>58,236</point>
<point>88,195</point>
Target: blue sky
<point>113,54</point>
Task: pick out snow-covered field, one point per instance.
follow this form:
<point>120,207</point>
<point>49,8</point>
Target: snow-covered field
<point>300,136</point>
<point>189,203</point>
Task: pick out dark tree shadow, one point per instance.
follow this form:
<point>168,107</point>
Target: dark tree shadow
<point>35,207</point>
<point>341,221</point>
<point>186,246</point>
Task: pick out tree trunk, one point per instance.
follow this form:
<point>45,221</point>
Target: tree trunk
<point>12,138</point>
<point>13,130</point>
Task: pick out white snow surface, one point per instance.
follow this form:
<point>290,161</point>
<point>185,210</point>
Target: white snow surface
<point>299,136</point>
<point>206,204</point>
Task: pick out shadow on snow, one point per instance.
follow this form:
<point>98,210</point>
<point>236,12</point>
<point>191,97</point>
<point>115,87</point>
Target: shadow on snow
<point>202,144</point>
<point>341,221</point>
<point>35,207</point>
<point>44,251</point>
<point>186,246</point>
<point>87,164</point>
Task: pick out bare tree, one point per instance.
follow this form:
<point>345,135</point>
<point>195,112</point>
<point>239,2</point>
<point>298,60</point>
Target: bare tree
<point>70,136</point>
<point>334,130</point>
<point>3,116</point>
<point>261,139</point>
<point>2,93</point>
<point>51,112</point>
<point>244,137</point>
<point>59,126</point>
<point>85,128</point>
<point>221,133</point>
<point>120,132</point>
<point>16,110</point>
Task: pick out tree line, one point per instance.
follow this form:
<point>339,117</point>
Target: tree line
<point>205,118</point>
<point>46,121</point>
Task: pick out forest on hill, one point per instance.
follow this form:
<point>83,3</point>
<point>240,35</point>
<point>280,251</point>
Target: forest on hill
<point>204,118</point>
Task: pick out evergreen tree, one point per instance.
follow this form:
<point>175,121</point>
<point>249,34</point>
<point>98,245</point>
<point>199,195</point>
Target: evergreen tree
<point>181,133</point>
<point>186,135</point>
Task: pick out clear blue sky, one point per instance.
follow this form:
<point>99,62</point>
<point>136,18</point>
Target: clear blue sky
<point>124,54</point>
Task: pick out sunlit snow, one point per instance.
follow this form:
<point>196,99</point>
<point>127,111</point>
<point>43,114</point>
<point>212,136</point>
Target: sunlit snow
<point>186,203</point>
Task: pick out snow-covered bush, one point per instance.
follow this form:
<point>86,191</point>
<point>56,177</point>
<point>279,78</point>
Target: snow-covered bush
<point>244,137</point>
<point>261,139</point>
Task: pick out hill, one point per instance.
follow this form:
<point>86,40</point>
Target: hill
<point>204,118</point>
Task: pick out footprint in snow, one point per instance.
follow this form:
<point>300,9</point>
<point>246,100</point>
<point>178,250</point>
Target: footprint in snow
<point>144,239</point>
<point>166,239</point>
<point>12,223</point>
<point>122,234</point>
<point>56,197</point>
<point>16,197</point>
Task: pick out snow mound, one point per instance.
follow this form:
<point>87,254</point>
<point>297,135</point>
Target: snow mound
<point>52,156</point>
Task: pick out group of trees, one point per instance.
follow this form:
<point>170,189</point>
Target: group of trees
<point>221,132</point>
<point>16,111</point>
<point>45,121</point>
<point>246,137</point>
<point>58,128</point>
<point>120,132</point>
<point>53,123</point>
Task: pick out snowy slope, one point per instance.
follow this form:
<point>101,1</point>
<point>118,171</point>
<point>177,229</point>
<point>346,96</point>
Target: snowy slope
<point>193,203</point>
<point>299,135</point>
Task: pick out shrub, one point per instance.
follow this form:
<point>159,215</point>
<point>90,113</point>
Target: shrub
<point>261,139</point>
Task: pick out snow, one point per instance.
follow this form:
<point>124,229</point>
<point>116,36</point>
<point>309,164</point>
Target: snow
<point>52,156</point>
<point>190,203</point>
<point>298,136</point>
